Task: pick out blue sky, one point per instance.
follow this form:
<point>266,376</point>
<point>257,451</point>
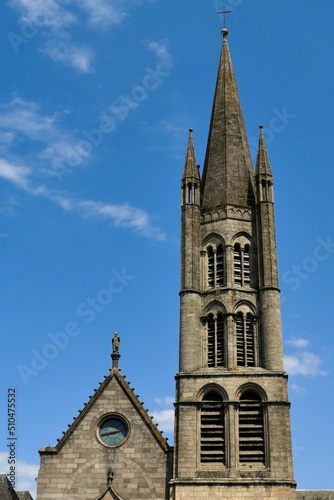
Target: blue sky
<point>96,100</point>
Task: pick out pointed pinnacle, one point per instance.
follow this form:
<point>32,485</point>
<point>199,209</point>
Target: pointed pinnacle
<point>262,160</point>
<point>190,166</point>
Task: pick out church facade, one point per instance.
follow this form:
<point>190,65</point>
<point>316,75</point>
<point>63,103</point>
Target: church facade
<point>232,423</point>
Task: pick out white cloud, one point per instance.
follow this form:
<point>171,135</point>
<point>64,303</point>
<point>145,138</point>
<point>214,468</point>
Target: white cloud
<point>26,474</point>
<point>161,50</point>
<point>168,401</point>
<point>303,363</point>
<point>103,12</point>
<point>298,389</point>
<point>298,343</point>
<point>165,419</point>
<point>56,20</point>
<point>14,173</point>
<point>60,147</point>
<point>123,215</point>
<point>79,58</point>
<point>23,121</point>
<point>120,215</point>
<point>44,14</point>
<point>164,415</point>
<point>21,116</point>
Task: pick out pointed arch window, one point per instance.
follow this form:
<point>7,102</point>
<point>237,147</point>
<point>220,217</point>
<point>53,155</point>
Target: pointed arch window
<point>212,429</point>
<point>251,429</point>
<point>216,340</point>
<point>242,265</point>
<point>245,339</point>
<point>215,266</point>
<point>246,265</point>
<point>190,192</point>
<point>211,268</point>
<point>220,266</point>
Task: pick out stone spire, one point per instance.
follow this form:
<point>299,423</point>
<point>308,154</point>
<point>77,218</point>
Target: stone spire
<point>228,171</point>
<point>262,160</point>
<point>190,166</point>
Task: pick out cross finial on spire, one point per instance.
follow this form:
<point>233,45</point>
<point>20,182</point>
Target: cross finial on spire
<point>224,12</point>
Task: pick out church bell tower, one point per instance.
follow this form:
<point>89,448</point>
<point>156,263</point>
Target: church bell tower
<point>232,425</point>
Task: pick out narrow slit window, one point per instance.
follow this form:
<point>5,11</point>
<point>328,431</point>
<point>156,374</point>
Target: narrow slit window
<point>251,429</point>
<point>212,429</point>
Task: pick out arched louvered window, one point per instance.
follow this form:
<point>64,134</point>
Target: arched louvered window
<point>242,265</point>
<point>245,339</point>
<point>211,268</point>
<point>251,429</point>
<point>216,340</point>
<point>220,266</point>
<point>216,271</point>
<point>246,265</point>
<point>237,265</point>
<point>212,429</point>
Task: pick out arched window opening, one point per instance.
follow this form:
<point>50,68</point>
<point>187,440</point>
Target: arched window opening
<point>246,266</point>
<point>237,265</point>
<point>250,341</point>
<point>245,339</point>
<point>195,193</point>
<point>242,265</point>
<point>212,429</point>
<point>216,341</point>
<point>190,193</point>
<point>211,341</point>
<point>220,266</point>
<point>271,192</point>
<point>215,267</point>
<point>211,268</point>
<point>239,321</point>
<point>251,429</point>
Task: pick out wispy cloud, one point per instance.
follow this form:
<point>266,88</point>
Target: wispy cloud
<point>103,13</point>
<point>44,14</point>
<point>302,362</point>
<point>16,174</point>
<point>21,116</point>
<point>164,414</point>
<point>298,343</point>
<point>63,51</point>
<point>298,389</point>
<point>161,50</point>
<point>43,138</point>
<point>119,215</point>
<point>26,473</point>
<point>55,21</point>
